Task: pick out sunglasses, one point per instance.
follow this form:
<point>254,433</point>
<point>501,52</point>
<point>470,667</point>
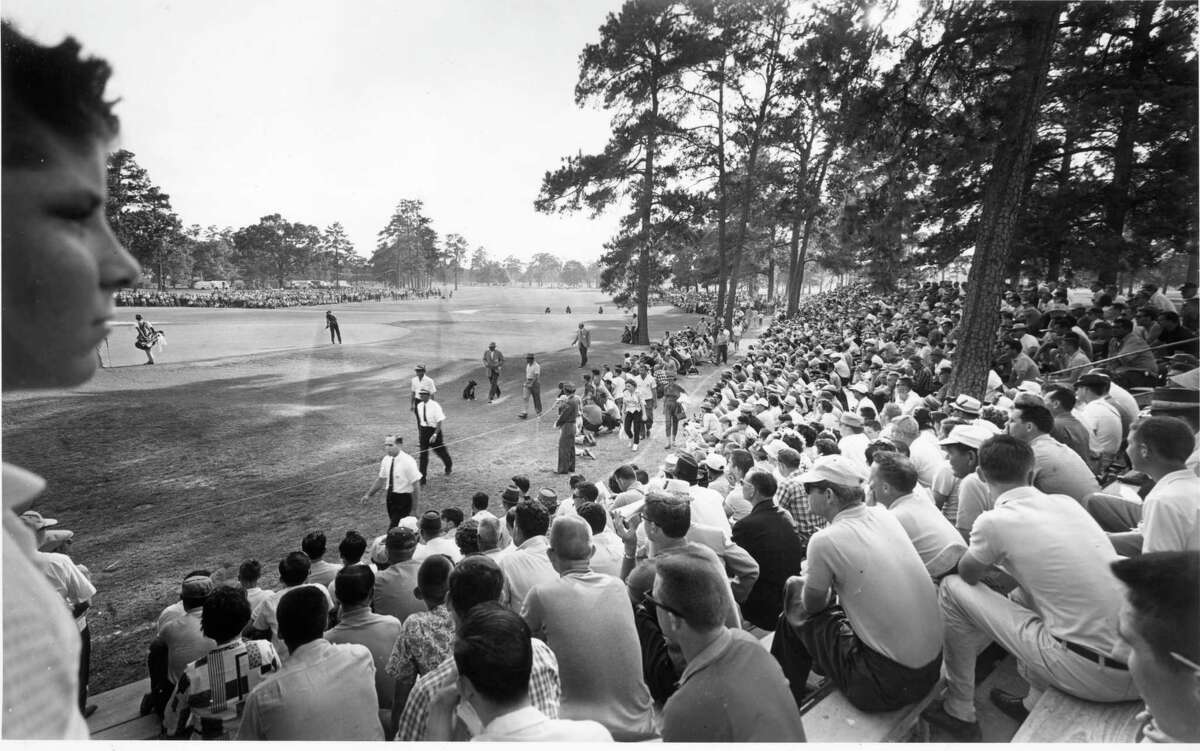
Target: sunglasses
<point>649,598</point>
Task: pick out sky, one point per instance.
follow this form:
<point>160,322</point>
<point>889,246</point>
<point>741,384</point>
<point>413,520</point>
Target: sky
<point>328,111</point>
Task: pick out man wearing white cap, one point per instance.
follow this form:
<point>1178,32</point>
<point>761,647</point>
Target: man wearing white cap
<point>854,442</point>
<point>881,644</point>
<point>418,382</point>
<point>962,451</point>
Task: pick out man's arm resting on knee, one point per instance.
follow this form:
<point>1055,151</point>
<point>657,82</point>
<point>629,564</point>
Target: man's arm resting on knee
<point>971,569</point>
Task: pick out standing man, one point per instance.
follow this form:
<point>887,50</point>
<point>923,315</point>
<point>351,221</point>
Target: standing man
<point>493,361</point>
<point>398,472</point>
<point>583,338</point>
<point>421,381</point>
<point>429,422</point>
<point>533,386</point>
<point>568,412</point>
<point>332,324</point>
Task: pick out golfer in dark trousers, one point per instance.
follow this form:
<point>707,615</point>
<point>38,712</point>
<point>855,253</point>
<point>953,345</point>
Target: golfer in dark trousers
<point>429,423</point>
<point>332,325</point>
<point>583,338</point>
<point>398,473</point>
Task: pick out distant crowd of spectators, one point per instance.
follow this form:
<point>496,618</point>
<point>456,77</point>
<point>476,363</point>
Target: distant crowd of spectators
<point>263,298</point>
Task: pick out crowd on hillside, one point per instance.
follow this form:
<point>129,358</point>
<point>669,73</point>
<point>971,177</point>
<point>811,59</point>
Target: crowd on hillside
<point>827,491</point>
<point>262,298</point>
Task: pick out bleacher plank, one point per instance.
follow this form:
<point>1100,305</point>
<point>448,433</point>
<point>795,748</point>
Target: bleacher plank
<point>1061,718</point>
<point>138,729</point>
<point>835,720</point>
<point>118,706</point>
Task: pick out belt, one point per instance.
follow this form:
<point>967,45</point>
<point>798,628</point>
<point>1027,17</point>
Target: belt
<point>1103,661</point>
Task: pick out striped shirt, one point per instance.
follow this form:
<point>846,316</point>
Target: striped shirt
<point>544,691</point>
<point>211,694</point>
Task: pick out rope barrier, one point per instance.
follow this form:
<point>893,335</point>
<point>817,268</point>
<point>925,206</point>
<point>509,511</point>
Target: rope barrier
<point>1127,354</point>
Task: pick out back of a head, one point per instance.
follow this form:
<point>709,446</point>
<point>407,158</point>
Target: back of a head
<point>250,572</point>
<point>301,614</point>
<point>314,544</point>
<point>352,547</point>
<point>532,519</point>
<point>1162,591</point>
<point>453,516</point>
<point>226,612</point>
<point>896,470</point>
<point>593,514</point>
<point>431,524</point>
<point>489,533</point>
<point>353,584</point>
<point>493,650</point>
<point>1004,459</point>
<point>466,537</point>
<point>571,539</point>
<point>764,482</point>
<point>522,483</point>
<point>587,492</point>
<point>693,582</point>
<point>479,501</point>
<point>294,568</point>
<point>625,473</point>
<point>434,576</point>
<point>906,429</point>
<point>1061,394</point>
<point>671,512</point>
<point>474,580</point>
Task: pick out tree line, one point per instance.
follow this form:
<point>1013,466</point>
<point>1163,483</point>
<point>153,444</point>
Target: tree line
<point>751,140</point>
<point>408,252</point>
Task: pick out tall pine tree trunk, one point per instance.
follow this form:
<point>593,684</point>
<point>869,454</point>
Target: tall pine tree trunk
<point>1002,198</point>
<point>722,200</point>
<point>643,282</point>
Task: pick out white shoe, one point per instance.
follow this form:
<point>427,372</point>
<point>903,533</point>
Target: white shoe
<point>635,447</point>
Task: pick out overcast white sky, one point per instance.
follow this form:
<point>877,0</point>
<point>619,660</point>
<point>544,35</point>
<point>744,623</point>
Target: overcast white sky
<point>330,111</point>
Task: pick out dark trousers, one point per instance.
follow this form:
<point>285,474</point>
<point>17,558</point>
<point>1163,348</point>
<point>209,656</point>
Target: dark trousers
<point>633,426</point>
<point>566,448</point>
<point>160,683</point>
<point>399,505</point>
<point>493,384</point>
<point>723,353</point>
<point>427,445</point>
<point>871,682</point>
<point>335,331</point>
<point>85,665</point>
<point>582,355</point>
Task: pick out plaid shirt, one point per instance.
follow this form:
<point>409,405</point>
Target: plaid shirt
<point>211,694</point>
<point>544,691</point>
<point>791,498</point>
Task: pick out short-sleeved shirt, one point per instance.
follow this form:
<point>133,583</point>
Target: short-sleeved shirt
<point>1060,556</point>
<point>404,471</point>
<point>429,414</point>
<point>945,483</point>
<point>185,642</point>
<point>524,567</point>
<point>1059,470</point>
<point>69,581</point>
<point>425,640</point>
<point>265,616</point>
<point>422,383</point>
<point>211,694</point>
<point>866,557</point>
<point>378,634</point>
<point>1104,427</point>
<point>973,499</point>
<point>936,540</point>
<point>533,371</point>
<point>1171,514</point>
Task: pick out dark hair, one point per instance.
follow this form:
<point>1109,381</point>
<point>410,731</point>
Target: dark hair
<point>522,482</point>
<point>1061,394</point>
<point>827,447</point>
<point>1036,414</point>
<point>493,650</point>
<point>313,544</point>
<point>625,472</point>
<point>1122,323</point>
<point>453,515</point>
<point>250,571</point>
<point>433,576</point>
<point>742,459</point>
<point>896,470</point>
<point>1168,437</point>
<point>466,537</point>
<point>226,612</point>
<point>294,568</point>
<point>532,518</point>
<point>479,501</point>
<point>1005,459</point>
<point>764,483</point>
<point>353,584</point>
<point>588,491</point>
<point>475,579</point>
<point>1013,345</point>
<point>302,615</point>
<point>352,547</point>
<point>670,512</point>
<point>1162,593</point>
<point>52,86</point>
<point>593,514</point>
<point>807,433</point>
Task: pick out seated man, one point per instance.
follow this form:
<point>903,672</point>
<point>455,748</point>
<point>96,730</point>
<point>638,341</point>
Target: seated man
<point>1058,469</point>
<point>320,571</point>
<point>425,639</point>
<point>476,579</point>
<point>731,691</point>
<point>881,644</point>
<point>355,586</point>
<point>768,535</point>
<point>1159,623</point>
<point>293,574</point>
<point>893,479</point>
<point>434,540</point>
<point>528,563</point>
<point>494,657</point>
<point>324,692</point>
<point>394,585</point>
<point>179,641</point>
<point>577,613</point>
<point>209,698</point>
<point>1060,623</point>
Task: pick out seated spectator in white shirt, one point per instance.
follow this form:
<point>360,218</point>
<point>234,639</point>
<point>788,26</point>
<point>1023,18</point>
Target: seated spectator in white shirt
<point>433,541</point>
<point>293,574</point>
<point>488,537</point>
<point>1169,517</point>
<point>608,548</point>
<point>181,639</point>
<point>1058,470</point>
<point>893,479</point>
<point>249,574</point>
<point>1159,623</point>
<point>354,587</point>
<point>320,571</point>
<point>494,656</point>
<point>211,693</point>
<point>1100,416</point>
<point>395,584</point>
<point>528,564</point>
<point>324,692</point>
<point>479,506</point>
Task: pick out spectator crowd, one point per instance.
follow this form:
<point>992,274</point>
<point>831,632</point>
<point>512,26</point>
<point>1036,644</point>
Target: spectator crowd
<point>262,298</point>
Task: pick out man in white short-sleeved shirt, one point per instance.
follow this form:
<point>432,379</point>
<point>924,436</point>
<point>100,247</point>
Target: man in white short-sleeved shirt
<point>398,473</point>
<point>418,382</point>
<point>893,480</point>
<point>1060,624</point>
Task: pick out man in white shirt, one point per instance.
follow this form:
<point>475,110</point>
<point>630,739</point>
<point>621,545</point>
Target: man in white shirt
<point>532,387</point>
<point>324,692</point>
<point>1057,468</point>
<point>1101,418</point>
<point>893,479</point>
<point>494,656</point>
<point>528,563</point>
<point>432,541</point>
<point>1060,624</point>
<point>398,473</point>
<point>854,442</point>
<point>608,548</point>
<point>320,571</point>
<point>418,382</point>
<point>429,425</point>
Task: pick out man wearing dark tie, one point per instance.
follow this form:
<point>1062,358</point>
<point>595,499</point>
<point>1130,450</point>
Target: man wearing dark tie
<point>398,473</point>
<point>429,424</point>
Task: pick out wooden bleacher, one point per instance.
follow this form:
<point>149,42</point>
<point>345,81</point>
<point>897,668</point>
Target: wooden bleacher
<point>1061,718</point>
<point>117,719</point>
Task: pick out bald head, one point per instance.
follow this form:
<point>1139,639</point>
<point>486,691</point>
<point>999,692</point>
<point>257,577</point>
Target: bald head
<point>571,539</point>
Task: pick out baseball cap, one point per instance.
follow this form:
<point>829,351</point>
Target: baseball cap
<point>838,469</point>
<point>971,436</point>
<point>36,521</point>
